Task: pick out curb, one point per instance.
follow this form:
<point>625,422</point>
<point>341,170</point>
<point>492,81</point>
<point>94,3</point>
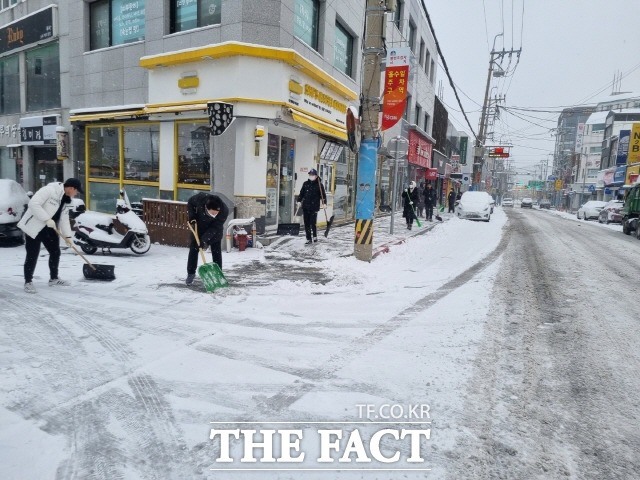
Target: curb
<point>385,247</point>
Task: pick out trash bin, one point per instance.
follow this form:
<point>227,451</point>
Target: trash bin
<point>242,238</point>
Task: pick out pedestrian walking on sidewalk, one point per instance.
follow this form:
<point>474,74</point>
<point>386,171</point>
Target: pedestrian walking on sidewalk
<point>312,197</point>
<point>409,201</point>
<point>451,199</point>
<point>48,214</point>
<point>207,214</point>
<point>420,209</point>
<point>430,201</point>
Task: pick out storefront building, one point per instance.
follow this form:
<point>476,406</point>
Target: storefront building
<point>32,118</point>
<point>144,73</point>
<point>289,122</point>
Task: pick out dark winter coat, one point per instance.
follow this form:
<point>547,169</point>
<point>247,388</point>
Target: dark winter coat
<point>312,194</point>
<point>452,198</point>
<point>407,197</point>
<point>208,227</point>
<point>430,197</point>
<point>421,196</point>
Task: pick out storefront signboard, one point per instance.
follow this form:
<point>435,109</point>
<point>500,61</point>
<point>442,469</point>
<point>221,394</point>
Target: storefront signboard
<point>26,31</point>
<point>419,152</point>
<point>633,155</point>
<point>38,130</point>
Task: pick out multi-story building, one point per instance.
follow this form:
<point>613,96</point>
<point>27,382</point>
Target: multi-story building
<point>408,27</point>
<point>131,81</point>
<point>34,92</point>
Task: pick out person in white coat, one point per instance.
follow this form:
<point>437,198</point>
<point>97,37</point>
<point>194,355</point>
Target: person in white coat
<point>48,212</point>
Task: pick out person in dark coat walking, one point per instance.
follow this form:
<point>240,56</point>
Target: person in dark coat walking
<point>312,196</point>
<point>409,202</point>
<point>207,214</point>
<point>430,200</point>
<point>452,200</point>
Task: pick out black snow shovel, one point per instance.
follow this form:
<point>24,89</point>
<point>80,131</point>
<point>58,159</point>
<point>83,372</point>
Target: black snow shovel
<point>91,271</point>
<point>328,220</point>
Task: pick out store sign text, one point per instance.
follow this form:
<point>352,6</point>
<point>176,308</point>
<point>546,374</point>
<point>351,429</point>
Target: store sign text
<point>11,130</point>
<point>325,99</point>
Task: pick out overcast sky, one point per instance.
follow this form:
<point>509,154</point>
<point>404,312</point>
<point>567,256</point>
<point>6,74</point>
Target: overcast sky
<point>571,50</point>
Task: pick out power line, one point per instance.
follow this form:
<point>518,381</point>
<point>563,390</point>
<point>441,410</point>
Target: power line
<point>446,69</point>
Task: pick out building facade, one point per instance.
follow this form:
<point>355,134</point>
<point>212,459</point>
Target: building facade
<point>289,68</point>
<point>130,81</point>
<point>408,27</point>
<point>35,92</point>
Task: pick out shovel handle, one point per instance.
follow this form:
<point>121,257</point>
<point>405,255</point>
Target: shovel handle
<point>324,200</point>
<point>195,234</point>
<point>76,250</point>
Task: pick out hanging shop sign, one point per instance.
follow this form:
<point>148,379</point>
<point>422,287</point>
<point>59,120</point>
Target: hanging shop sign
<point>396,81</point>
<point>220,117</point>
<point>26,31</point>
<point>464,143</point>
<point>623,147</point>
<point>39,130</point>
<point>62,143</point>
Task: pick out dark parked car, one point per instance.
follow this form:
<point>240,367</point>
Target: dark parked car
<point>612,212</point>
<point>545,204</point>
<point>526,203</point>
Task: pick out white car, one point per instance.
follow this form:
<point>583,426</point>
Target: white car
<point>591,209</point>
<point>507,202</point>
<point>474,206</point>
<point>13,204</point>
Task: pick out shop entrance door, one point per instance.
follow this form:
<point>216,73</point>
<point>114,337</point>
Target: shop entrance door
<point>48,167</point>
<point>280,180</point>
<point>287,180</point>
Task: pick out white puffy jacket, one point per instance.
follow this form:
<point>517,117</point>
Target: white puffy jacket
<point>43,206</point>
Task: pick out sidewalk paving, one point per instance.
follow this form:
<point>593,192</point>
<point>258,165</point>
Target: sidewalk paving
<point>289,258</point>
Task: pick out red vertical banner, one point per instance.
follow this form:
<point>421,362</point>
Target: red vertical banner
<point>396,81</point>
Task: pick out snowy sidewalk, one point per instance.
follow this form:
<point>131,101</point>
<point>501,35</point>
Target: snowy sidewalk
<point>289,257</point>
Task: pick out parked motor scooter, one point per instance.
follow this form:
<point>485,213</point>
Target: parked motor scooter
<point>94,230</point>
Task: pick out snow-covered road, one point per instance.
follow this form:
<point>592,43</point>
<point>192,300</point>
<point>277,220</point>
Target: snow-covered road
<point>498,327</point>
<point>555,391</point>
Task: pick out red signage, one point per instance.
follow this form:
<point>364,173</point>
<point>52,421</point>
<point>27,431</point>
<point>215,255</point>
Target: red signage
<point>396,81</point>
<point>431,174</point>
<point>419,150</point>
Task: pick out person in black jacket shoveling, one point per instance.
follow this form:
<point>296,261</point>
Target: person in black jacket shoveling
<point>208,212</point>
<point>409,201</point>
<point>312,197</point>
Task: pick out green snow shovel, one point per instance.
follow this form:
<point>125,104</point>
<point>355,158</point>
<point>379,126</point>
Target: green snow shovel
<point>414,212</point>
<point>210,273</point>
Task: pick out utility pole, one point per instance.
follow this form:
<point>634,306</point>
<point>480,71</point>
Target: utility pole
<point>480,139</point>
<point>373,51</point>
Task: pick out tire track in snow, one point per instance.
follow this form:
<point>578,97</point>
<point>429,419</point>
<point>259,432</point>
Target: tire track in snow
<point>157,428</point>
<point>312,378</point>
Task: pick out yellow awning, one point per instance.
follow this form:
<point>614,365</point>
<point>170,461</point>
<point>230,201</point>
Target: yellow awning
<point>319,126</point>
<point>108,115</point>
<point>182,107</point>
